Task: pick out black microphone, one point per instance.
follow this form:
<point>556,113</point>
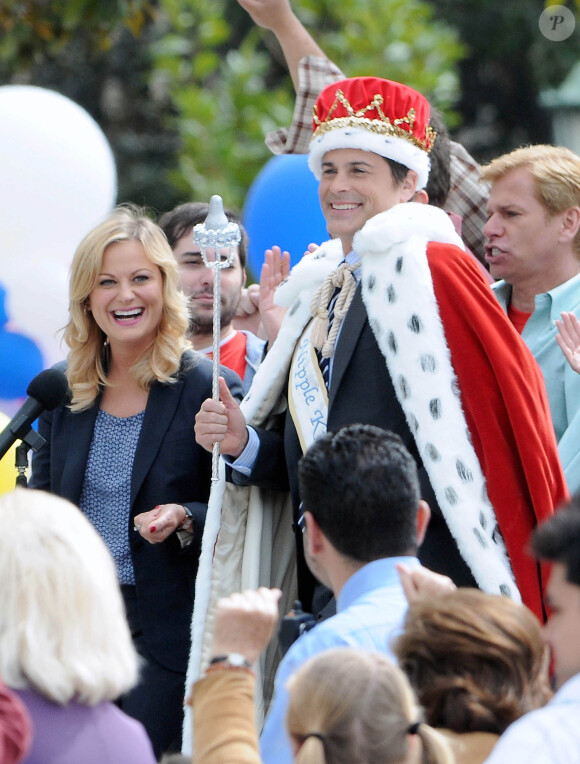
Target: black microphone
<point>46,391</point>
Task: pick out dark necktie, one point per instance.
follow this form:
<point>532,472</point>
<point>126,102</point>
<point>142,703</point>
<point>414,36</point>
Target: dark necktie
<point>323,361</point>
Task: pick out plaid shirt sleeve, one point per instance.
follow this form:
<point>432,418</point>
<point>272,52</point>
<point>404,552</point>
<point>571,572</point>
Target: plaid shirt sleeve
<point>468,197</point>
<point>468,194</point>
<point>314,74</point>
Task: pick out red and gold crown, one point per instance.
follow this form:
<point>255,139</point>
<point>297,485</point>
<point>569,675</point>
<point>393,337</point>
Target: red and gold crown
<point>375,115</point>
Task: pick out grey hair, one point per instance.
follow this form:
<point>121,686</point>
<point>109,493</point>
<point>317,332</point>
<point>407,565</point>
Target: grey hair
<point>63,630</point>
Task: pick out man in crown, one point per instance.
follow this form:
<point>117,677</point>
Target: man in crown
<point>389,323</point>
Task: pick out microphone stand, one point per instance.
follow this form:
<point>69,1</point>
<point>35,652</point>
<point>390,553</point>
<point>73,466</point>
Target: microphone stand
<point>32,440</point>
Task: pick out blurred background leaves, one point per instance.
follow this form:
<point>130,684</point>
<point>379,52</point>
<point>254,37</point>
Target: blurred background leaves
<point>186,89</point>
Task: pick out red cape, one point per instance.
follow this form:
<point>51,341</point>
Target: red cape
<point>506,409</point>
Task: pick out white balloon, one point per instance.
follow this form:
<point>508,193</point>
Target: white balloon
<point>58,176</point>
<point>57,181</point>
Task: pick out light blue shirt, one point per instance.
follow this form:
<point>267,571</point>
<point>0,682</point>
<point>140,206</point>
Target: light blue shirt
<point>550,735</point>
<point>562,382</point>
<point>370,611</point>
<point>254,355</point>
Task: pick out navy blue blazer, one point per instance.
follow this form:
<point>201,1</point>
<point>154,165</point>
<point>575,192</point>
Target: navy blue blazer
<point>169,467</point>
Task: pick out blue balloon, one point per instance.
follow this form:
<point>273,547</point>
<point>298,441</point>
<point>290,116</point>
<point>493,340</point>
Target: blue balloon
<point>20,358</point>
<point>20,361</point>
<point>282,208</point>
<point>3,314</point>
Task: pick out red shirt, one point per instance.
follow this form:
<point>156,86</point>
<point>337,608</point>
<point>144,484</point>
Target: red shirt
<point>233,353</point>
<point>518,318</point>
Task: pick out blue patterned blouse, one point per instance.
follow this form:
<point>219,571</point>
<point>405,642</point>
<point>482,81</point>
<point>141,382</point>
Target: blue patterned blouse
<point>106,494</point>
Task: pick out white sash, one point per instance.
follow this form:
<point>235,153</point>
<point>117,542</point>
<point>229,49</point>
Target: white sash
<point>307,393</point>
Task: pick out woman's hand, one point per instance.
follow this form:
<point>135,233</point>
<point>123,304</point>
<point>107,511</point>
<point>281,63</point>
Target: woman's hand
<point>160,522</point>
<point>245,623</point>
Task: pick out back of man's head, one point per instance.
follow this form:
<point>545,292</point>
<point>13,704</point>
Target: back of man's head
<point>439,182</point>
<point>558,540</point>
<point>361,486</point>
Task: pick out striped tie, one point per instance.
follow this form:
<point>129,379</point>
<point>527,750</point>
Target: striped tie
<point>324,361</point>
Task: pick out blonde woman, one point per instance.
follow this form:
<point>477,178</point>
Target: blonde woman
<point>348,705</point>
<point>122,447</point>
<point>65,648</point>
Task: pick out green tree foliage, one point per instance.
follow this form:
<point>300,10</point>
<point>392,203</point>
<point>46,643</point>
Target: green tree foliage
<point>229,86</point>
<point>508,33</point>
<point>509,63</point>
<point>185,90</point>
<point>33,28</point>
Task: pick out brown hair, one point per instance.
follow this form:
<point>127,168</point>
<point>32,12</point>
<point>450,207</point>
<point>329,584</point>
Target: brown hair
<point>181,220</point>
<point>476,661</point>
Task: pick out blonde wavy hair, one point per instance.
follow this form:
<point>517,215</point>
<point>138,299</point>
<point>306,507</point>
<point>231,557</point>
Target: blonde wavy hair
<point>63,630</point>
<point>347,705</point>
<point>88,354</point>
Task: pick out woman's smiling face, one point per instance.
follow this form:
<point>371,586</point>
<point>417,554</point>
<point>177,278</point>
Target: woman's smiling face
<point>127,300</point>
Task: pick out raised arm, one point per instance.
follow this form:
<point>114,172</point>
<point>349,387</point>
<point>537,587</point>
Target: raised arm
<point>295,41</point>
<point>245,623</point>
<point>223,700</point>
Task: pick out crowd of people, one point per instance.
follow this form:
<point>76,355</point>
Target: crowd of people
<point>397,422</point>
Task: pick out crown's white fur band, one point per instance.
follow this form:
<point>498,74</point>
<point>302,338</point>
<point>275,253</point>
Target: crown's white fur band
<point>389,146</point>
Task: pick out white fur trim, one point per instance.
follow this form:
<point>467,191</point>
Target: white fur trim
<point>295,293</point>
<point>308,273</point>
<point>396,225</point>
<point>390,146</point>
<point>202,595</point>
<point>404,316</point>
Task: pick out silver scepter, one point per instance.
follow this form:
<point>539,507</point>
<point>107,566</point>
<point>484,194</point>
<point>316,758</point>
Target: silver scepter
<point>216,234</point>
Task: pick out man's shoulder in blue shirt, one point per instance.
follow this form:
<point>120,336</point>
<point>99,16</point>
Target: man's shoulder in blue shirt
<point>370,611</point>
